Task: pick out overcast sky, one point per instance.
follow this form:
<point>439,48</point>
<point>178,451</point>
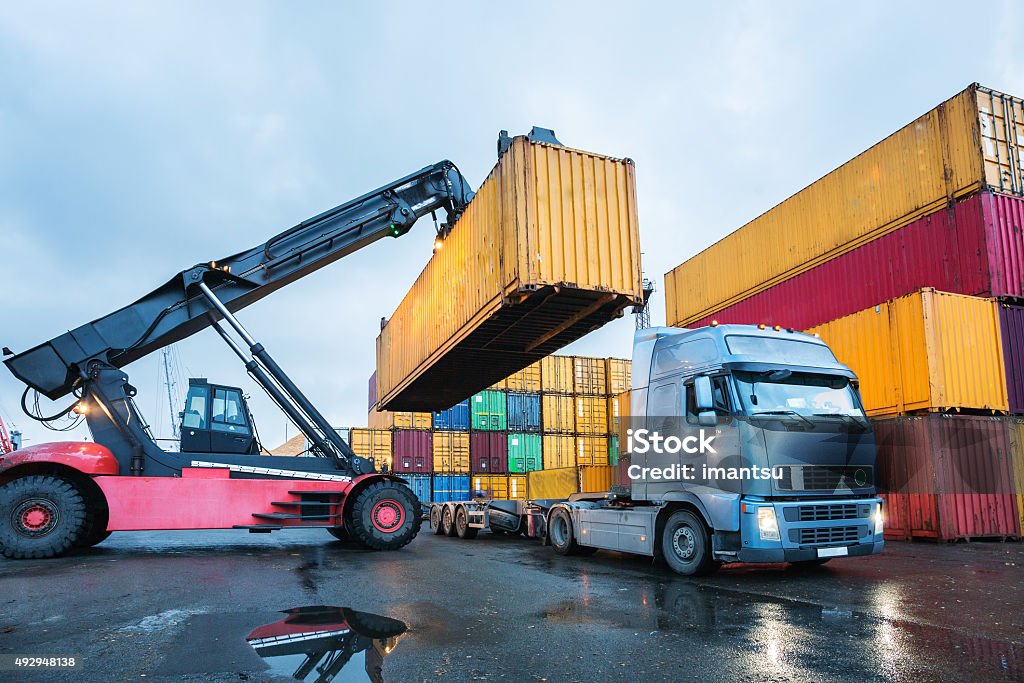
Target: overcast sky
<point>137,139</point>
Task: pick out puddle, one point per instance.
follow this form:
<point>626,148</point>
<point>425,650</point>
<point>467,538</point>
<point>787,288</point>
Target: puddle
<point>322,643</point>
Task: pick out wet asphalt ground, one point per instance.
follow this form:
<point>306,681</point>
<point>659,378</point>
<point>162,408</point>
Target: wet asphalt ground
<point>175,606</point>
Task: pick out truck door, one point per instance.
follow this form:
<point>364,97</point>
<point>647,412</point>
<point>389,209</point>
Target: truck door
<point>229,422</point>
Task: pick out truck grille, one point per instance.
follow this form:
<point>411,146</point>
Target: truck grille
<point>828,534</point>
<point>821,478</point>
<point>820,513</point>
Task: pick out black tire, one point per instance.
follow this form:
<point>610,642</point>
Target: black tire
<point>448,521</point>
<point>96,519</point>
<point>562,536</point>
<point>40,516</point>
<point>686,545</point>
<point>462,527</point>
<point>384,516</point>
<point>435,520</point>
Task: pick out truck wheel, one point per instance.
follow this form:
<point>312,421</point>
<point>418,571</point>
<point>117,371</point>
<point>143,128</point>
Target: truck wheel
<point>686,545</point>
<point>95,531</point>
<point>435,520</point>
<point>384,516</point>
<point>462,527</point>
<point>562,537</point>
<point>40,516</point>
<point>448,522</point>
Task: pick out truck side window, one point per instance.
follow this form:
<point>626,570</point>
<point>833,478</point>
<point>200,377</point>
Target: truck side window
<point>719,393</point>
<point>195,408</point>
<point>664,407</point>
<point>227,411</point>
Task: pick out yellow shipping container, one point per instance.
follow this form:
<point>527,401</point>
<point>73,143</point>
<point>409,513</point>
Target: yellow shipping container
<point>589,376</point>
<point>618,413</point>
<point>619,375</point>
<point>556,374</point>
<point>558,413</point>
<point>386,419</point>
<point>563,482</point>
<point>592,415</point>
<point>972,141</point>
<point>489,486</point>
<point>371,443</point>
<point>1017,455</point>
<point>559,451</point>
<point>500,385</point>
<point>551,233</point>
<point>924,351</point>
<point>591,450</point>
<point>517,487</point>
<point>451,452</point>
<point>527,379</point>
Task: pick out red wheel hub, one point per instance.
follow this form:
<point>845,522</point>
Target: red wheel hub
<point>35,517</point>
<point>387,515</point>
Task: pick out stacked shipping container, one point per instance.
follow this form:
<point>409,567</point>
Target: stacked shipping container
<point>555,414</point>
<point>857,257</point>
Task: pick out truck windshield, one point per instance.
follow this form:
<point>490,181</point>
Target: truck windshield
<point>805,394</point>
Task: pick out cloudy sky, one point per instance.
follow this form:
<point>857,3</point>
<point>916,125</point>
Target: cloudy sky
<point>137,139</point>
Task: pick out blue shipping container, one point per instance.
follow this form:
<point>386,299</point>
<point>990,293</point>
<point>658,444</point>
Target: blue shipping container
<point>523,412</point>
<point>455,418</point>
<point>420,485</point>
<point>450,487</point>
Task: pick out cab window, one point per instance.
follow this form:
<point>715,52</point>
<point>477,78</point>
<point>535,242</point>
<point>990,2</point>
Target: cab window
<point>195,408</point>
<point>228,411</point>
<point>719,395</point>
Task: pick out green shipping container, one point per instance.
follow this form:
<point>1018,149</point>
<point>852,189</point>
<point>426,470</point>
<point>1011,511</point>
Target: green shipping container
<point>489,412</point>
<point>613,450</point>
<point>524,453</point>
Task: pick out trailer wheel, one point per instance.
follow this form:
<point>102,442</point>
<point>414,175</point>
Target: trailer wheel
<point>435,520</point>
<point>448,521</point>
<point>562,537</point>
<point>462,527</point>
<point>686,545</point>
<point>384,516</point>
<point>40,516</point>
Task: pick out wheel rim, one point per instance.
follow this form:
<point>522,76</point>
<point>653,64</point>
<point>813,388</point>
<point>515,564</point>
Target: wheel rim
<point>461,522</point>
<point>387,515</point>
<point>446,519</point>
<point>559,531</point>
<point>35,517</point>
<point>684,543</point>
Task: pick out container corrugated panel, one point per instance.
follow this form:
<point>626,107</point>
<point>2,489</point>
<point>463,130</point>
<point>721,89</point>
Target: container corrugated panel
<point>488,452</point>
<point>618,375</point>
<point>975,247</point>
<point>527,379</point>
<point>524,453</point>
<point>450,487</point>
<point>420,485</point>
<point>596,479</point>
<point>618,412</point>
<point>613,450</point>
<point>371,391</point>
<point>559,451</point>
<point>554,483</point>
<point>488,411</point>
<point>1016,427</point>
<point>500,385</point>
<point>517,487</point>
<point>385,419</point>
<point>523,412</point>
<point>546,251</point>
<point>929,351</point>
<point>1011,325</point>
<point>591,450</point>
<point>557,375</point>
<point>413,451</point>
<point>940,157</point>
<point>455,418</point>
<point>589,376</point>
<point>492,486</point>
<point>592,415</point>
<point>451,451</point>
<point>558,413</point>
<point>948,477</point>
<point>371,443</point>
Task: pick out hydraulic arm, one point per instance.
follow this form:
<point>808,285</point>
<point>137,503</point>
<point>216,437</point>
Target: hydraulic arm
<point>86,360</point>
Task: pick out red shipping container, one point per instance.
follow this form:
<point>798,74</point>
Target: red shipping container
<point>488,452</point>
<point>947,477</point>
<point>413,451</point>
<point>975,247</point>
<point>1011,326</point>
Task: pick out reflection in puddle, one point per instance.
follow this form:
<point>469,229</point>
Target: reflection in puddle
<point>317,643</point>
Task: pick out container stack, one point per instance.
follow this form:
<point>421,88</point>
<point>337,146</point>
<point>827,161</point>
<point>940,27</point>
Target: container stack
<point>907,261</point>
<point>549,426</point>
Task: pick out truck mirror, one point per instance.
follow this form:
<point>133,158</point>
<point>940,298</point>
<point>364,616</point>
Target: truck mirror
<point>707,418</point>
<point>702,394</point>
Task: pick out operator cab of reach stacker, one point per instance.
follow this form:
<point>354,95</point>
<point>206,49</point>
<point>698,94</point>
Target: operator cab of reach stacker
<point>216,419</point>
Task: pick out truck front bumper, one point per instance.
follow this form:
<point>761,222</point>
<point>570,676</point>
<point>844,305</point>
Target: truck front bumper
<point>803,554</point>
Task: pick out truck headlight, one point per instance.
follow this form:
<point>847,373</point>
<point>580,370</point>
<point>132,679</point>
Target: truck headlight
<point>879,519</point>
<point>767,524</point>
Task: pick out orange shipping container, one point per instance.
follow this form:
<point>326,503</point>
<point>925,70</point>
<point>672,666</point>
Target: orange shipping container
<point>547,250</point>
<point>927,351</point>
<point>618,413</point>
<point>619,375</point>
<point>386,419</point>
<point>371,443</point>
<point>591,450</point>
<point>972,141</point>
<point>563,482</point>
<point>592,415</point>
<point>451,452</point>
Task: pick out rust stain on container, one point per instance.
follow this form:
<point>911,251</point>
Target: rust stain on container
<point>546,251</point>
<point>970,142</point>
<point>928,351</point>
